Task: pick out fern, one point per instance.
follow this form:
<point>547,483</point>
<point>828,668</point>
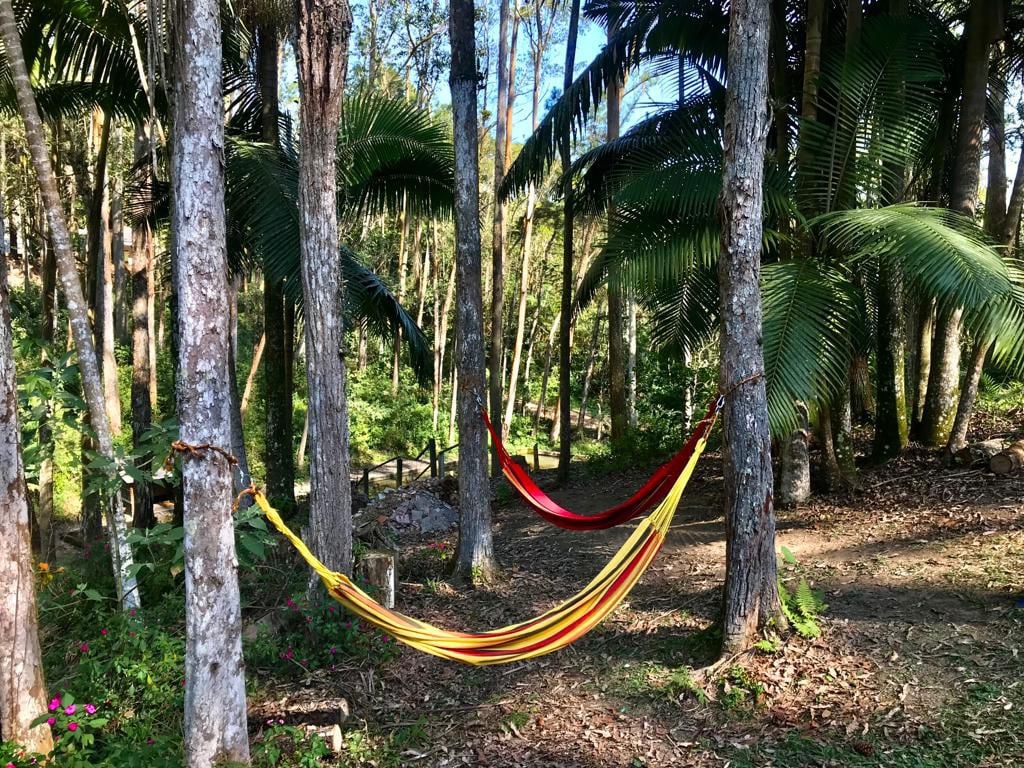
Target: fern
<point>802,608</point>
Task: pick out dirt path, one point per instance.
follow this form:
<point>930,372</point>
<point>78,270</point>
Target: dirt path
<point>918,663</point>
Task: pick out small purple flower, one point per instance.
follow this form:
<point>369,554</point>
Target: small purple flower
<point>72,726</point>
<point>90,709</point>
<point>55,703</point>
<point>70,709</point>
<point>51,720</point>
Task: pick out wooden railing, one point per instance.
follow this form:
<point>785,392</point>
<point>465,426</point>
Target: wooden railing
<point>435,465</point>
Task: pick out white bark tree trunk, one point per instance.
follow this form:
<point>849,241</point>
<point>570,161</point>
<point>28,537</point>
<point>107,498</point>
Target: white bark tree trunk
<point>215,714</point>
<point>74,298</point>
<point>22,689</point>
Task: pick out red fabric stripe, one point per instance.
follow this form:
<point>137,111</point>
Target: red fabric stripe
<point>650,494</point>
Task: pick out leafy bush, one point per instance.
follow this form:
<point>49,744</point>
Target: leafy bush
<point>316,636</point>
<point>385,425</point>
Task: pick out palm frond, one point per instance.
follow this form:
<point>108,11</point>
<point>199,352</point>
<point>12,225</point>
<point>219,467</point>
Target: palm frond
<point>941,254</point>
<point>809,311</point>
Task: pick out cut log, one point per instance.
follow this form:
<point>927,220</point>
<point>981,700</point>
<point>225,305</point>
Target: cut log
<point>979,453</point>
<point>378,571</point>
<point>1009,460</point>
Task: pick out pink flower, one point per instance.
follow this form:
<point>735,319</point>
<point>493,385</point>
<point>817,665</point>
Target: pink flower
<point>54,703</point>
<point>72,726</point>
<point>51,720</point>
<point>70,709</point>
<point>10,765</point>
<point>84,647</point>
<point>103,632</point>
<point>90,709</point>
<point>131,612</point>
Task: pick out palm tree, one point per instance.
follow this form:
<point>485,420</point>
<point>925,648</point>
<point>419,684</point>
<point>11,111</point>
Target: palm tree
<point>663,178</point>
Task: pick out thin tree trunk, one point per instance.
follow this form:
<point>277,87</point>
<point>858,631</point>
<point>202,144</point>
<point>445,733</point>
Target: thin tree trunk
<point>498,236</point>
<point>22,688</point>
<point>45,508</point>
<point>581,416</point>
<point>142,406</point>
<point>215,714</point>
<point>324,29</point>
<point>524,291</point>
<point>278,458</point>
<point>542,400</point>
<point>968,394</point>
<point>565,321</point>
<point>751,598</point>
<point>631,378</point>
<point>240,469</point>
<point>441,340</point>
<point>618,404</point>
<point>250,380</point>
<point>475,556</point>
<point>1011,224</point>
<point>923,341</point>
<point>81,330</point>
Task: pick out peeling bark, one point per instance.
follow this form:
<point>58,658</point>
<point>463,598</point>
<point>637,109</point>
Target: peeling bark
<point>751,596</point>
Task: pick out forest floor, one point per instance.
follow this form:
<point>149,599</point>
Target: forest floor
<point>920,661</point>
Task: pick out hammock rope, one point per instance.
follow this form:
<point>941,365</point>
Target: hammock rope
<point>552,630</point>
<point>648,496</point>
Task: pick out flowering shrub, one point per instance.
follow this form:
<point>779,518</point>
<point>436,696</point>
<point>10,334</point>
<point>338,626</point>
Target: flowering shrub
<point>13,756</point>
<point>317,636</point>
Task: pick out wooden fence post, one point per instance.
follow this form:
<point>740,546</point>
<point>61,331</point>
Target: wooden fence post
<point>366,483</point>
<point>432,450</point>
<point>398,477</point>
<point>536,457</point>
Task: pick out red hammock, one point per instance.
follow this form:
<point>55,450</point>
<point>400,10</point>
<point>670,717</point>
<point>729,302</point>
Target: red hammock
<point>649,495</point>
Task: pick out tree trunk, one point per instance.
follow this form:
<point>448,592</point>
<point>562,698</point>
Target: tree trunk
<point>142,406</point>
<point>751,598</point>
<point>1011,223</point>
<point>22,688</point>
<point>943,383</point>
<point>441,334</point>
<point>278,458</point>
<point>215,713</point>
<point>542,401</point>
<point>498,235</point>
<point>475,557</point>
<point>565,316</point>
<point>618,404</point>
<point>524,291</point>
<point>795,481</point>
<point>254,367</point>
<point>240,469</point>
<point>45,508</point>
<point>995,188</point>
<point>324,29</point>
<point>582,415</point>
<point>968,395</point>
<point>74,297</point>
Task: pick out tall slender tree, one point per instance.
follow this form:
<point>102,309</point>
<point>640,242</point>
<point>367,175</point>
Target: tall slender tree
<point>751,592</point>
<point>496,363</point>
<point>22,689</point>
<point>74,301</point>
<point>618,404</point>
<point>324,30</point>
<point>215,714</point>
<point>475,556</point>
<point>568,225</point>
<point>278,458</point>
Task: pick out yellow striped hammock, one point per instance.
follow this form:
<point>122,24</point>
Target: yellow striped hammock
<point>555,629</point>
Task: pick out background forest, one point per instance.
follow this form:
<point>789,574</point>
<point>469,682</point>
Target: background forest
<point>890,284</point>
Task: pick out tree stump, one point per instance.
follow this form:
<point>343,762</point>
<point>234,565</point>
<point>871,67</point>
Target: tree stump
<point>378,570</point>
<point>1009,460</point>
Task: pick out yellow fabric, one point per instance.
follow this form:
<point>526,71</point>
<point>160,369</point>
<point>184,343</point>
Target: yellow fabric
<point>554,629</point>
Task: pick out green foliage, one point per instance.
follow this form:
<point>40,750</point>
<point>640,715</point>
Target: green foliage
<point>739,688</point>
<point>315,636</point>
<point>384,426</point>
<point>285,746</point>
